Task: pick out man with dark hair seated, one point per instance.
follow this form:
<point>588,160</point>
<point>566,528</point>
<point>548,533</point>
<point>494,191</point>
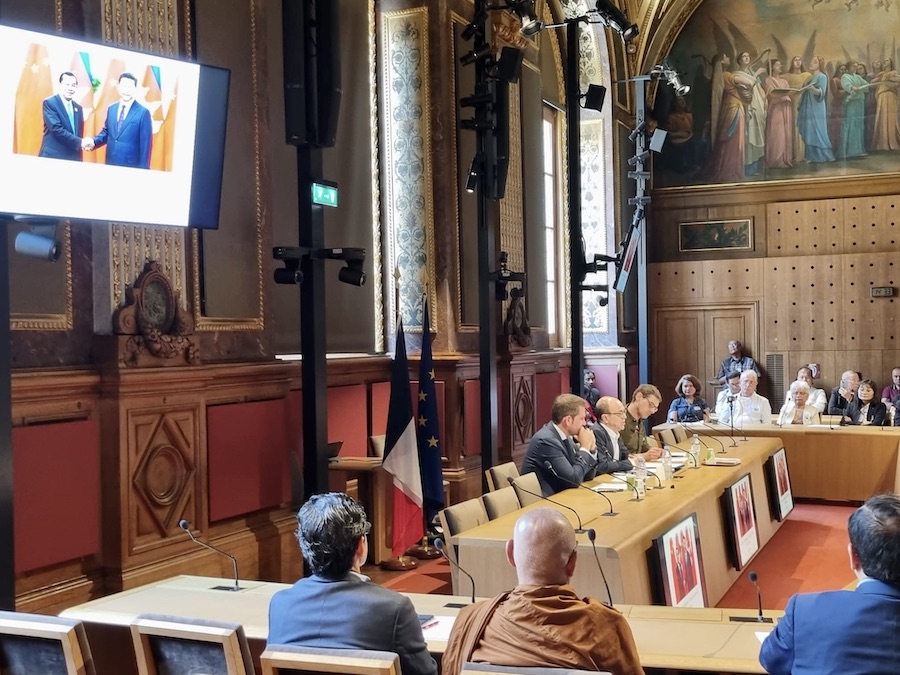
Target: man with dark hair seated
<point>542,622</point>
<point>337,607</point>
<point>848,631</point>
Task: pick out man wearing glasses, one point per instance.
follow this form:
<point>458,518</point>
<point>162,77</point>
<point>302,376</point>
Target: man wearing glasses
<point>612,455</point>
<point>644,402</point>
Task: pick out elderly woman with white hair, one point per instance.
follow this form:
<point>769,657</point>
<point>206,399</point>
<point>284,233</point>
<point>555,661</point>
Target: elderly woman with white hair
<point>795,410</point>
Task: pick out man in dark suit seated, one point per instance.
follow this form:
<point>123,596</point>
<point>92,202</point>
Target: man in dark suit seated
<point>612,455</point>
<point>842,395</point>
<point>848,631</point>
<point>553,444</point>
<point>542,622</point>
<point>338,607</point>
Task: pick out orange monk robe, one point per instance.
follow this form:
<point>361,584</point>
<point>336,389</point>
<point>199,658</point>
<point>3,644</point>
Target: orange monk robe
<point>542,626</point>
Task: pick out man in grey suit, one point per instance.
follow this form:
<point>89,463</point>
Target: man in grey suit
<point>552,454</point>
<point>612,455</point>
<point>338,607</point>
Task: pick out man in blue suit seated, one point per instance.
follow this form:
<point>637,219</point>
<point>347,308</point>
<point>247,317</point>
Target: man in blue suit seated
<point>128,132</point>
<point>63,122</point>
<point>552,454</point>
<point>848,631</point>
<point>337,607</point>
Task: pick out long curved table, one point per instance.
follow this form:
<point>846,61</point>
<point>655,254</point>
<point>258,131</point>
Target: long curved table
<point>623,541</point>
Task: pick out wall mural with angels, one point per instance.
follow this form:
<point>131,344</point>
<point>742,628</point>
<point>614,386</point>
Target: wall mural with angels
<point>782,89</point>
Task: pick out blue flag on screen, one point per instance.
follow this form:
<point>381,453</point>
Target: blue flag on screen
<point>401,458</point>
<point>428,430</point>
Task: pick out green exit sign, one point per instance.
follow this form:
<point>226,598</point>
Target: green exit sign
<point>324,194</point>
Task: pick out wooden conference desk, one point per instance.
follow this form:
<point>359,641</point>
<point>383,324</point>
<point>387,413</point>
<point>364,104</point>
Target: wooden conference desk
<point>838,463</point>
<point>666,637</point>
<point>623,541</point>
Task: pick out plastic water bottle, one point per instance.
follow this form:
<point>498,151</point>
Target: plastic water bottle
<point>695,450</point>
<point>668,469</point>
<point>640,467</point>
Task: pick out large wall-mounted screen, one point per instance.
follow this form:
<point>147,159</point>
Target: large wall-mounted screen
<point>100,133</point>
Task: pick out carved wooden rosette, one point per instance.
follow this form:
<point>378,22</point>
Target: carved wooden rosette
<point>153,328</point>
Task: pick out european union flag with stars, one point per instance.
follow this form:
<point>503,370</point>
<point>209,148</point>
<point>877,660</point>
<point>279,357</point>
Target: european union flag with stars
<point>428,431</point>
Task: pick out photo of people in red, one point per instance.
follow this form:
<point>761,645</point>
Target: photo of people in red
<point>784,484</point>
<point>743,508</point>
<point>682,563</point>
<point>743,521</point>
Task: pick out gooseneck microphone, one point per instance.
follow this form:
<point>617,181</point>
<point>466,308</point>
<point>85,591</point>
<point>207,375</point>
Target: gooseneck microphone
<point>759,618</point>
<point>578,530</point>
<point>439,545</point>
<point>186,526</point>
<point>593,536</point>
<point>549,466</point>
<point>709,426</point>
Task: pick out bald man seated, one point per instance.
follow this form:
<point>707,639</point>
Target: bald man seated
<point>542,622</point>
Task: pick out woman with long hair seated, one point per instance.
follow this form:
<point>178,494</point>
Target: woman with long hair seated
<point>795,410</point>
<point>865,409</point>
<point>688,407</point>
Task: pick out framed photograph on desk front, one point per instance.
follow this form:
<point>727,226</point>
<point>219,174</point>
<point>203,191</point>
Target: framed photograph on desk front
<point>676,559</point>
<point>778,484</point>
<point>740,521</point>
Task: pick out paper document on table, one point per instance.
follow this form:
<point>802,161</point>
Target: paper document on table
<point>610,487</point>
<point>438,629</point>
<point>761,636</point>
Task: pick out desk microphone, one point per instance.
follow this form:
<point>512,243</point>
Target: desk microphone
<point>593,536</point>
<point>721,444</point>
<point>186,526</point>
<point>759,618</point>
<point>578,530</point>
<point>549,466</point>
<point>439,545</point>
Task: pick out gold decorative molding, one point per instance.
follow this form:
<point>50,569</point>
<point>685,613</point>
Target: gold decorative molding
<point>210,324</point>
<point>375,162</point>
<point>64,321</point>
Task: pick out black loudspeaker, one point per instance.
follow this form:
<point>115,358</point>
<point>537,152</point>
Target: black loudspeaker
<point>312,71</point>
<point>497,187</point>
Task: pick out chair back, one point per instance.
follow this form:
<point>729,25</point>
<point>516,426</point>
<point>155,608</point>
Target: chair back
<point>376,446</point>
<point>666,437</point>
<point>455,519</point>
<point>49,645</point>
<point>470,667</point>
<point>500,502</point>
<point>497,475</point>
<point>680,432</point>
<point>531,483</point>
<point>176,645</point>
<point>285,659</point>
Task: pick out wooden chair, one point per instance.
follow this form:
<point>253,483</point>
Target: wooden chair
<point>680,432</point>
<point>531,483</point>
<point>500,502</point>
<point>666,437</point>
<point>49,645</point>
<point>289,659</point>
<point>470,667</point>
<point>176,645</point>
<point>497,475</point>
<point>459,518</point>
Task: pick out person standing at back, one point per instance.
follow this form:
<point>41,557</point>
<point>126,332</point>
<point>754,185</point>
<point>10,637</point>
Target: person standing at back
<point>736,361</point>
<point>840,632</point>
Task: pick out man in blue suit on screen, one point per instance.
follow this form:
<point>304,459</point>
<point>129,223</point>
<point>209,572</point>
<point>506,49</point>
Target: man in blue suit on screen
<point>848,631</point>
<point>128,132</point>
<point>63,122</point>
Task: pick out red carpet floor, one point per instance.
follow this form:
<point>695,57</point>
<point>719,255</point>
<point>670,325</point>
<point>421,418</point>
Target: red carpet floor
<point>808,553</point>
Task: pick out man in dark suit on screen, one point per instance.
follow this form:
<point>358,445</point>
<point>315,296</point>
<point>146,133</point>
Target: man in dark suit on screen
<point>128,132</point>
<point>63,122</point>
<point>553,443</point>
<point>848,631</point>
<point>337,607</point>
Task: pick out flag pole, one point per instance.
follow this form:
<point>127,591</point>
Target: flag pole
<point>424,550</point>
<point>401,563</point>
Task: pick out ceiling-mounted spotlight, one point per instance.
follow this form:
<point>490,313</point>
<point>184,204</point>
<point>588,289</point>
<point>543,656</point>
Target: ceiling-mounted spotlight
<point>474,174</point>
<point>594,97</point>
<point>637,131</point>
<point>613,17</point>
<point>524,9</point>
<point>475,55</point>
<point>40,242</point>
<point>476,27</point>
<point>667,71</point>
<point>639,158</point>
